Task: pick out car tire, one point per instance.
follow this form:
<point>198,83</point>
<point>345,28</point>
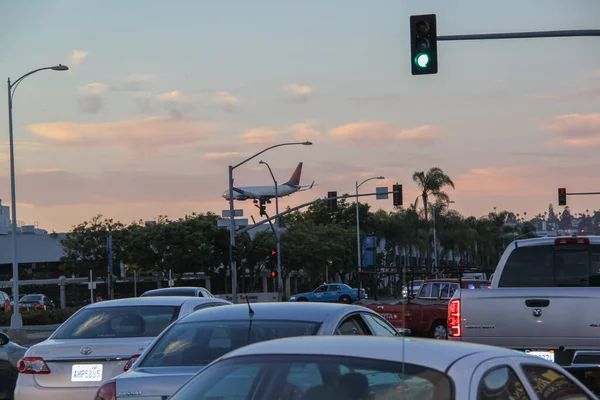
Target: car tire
<point>302,299</point>
<point>345,299</point>
<point>439,330</point>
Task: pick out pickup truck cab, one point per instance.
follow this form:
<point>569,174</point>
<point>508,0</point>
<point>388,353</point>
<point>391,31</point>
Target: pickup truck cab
<point>544,300</point>
<point>426,314</point>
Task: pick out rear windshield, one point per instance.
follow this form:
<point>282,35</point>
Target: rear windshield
<point>201,342</point>
<point>552,266</point>
<point>181,292</point>
<point>316,377</point>
<point>31,297</point>
<point>118,322</point>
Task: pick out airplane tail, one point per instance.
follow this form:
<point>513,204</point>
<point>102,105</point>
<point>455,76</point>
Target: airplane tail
<point>295,179</point>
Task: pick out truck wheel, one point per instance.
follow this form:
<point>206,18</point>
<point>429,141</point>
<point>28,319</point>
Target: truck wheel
<point>302,299</point>
<point>345,299</point>
<point>439,331</point>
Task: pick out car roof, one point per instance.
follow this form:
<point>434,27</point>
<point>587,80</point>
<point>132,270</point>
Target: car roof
<point>292,311</point>
<point>549,240</point>
<point>455,280</point>
<point>172,289</point>
<point>154,301</point>
<point>443,352</point>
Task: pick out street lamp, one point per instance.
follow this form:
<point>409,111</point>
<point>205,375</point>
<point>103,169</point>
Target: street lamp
<point>16,321</point>
<point>232,216</point>
<point>435,246</point>
<point>358,185</point>
<point>277,232</point>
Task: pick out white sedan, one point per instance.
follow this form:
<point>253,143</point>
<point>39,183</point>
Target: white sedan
<point>97,343</point>
<point>362,367</point>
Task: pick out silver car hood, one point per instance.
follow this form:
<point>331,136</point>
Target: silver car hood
<point>153,383</point>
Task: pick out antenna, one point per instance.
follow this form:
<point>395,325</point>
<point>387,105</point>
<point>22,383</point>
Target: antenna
<point>251,313</point>
<point>250,310</point>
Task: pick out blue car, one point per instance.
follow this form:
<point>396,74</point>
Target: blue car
<point>331,293</point>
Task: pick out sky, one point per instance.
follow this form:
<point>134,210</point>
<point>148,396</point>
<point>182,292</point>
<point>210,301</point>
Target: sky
<point>162,96</point>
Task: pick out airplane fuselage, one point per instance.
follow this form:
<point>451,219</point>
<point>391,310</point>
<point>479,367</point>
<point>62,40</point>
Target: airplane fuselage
<point>262,192</point>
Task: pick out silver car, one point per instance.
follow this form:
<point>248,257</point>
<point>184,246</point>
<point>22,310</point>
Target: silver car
<point>198,339</point>
<point>353,368</point>
<point>97,343</point>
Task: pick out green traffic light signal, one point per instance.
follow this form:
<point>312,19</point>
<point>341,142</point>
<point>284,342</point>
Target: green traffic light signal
<point>422,60</point>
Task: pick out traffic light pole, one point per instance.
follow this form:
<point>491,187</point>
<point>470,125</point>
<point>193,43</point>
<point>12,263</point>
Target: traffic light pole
<point>521,35</point>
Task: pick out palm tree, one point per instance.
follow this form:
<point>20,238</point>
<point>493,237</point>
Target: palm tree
<point>432,183</point>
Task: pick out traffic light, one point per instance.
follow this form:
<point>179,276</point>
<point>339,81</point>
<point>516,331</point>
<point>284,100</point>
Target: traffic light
<point>562,196</point>
<point>332,204</point>
<point>273,274</point>
<point>397,189</point>
<point>262,208</point>
<point>423,44</point>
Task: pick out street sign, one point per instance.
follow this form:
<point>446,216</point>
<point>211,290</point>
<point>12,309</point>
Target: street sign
<point>224,223</point>
<point>91,285</point>
<point>236,213</point>
<point>381,193</point>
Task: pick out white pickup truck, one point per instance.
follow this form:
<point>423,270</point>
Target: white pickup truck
<point>544,300</point>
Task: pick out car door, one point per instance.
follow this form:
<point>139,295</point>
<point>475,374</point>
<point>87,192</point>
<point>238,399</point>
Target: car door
<point>334,293</point>
<point>320,293</point>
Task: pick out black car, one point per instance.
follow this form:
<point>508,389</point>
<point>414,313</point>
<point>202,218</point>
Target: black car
<point>10,354</point>
<point>179,291</point>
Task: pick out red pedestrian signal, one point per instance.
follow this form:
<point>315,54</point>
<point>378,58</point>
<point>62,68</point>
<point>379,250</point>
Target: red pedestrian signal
<point>273,274</point>
<point>273,252</point>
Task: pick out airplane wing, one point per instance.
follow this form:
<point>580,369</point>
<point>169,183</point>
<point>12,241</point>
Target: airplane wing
<point>307,187</point>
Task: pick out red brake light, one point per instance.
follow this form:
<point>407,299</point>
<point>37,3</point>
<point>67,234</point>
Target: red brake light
<point>32,365</point>
<point>130,362</point>
<point>38,305</point>
<point>108,391</point>
<point>454,318</point>
<point>571,241</point>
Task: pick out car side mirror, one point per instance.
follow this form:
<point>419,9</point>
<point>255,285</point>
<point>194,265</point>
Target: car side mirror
<point>4,339</point>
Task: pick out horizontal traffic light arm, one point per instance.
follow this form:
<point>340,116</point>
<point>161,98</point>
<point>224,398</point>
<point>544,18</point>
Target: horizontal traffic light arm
<point>582,194</point>
<point>521,35</point>
<point>269,219</point>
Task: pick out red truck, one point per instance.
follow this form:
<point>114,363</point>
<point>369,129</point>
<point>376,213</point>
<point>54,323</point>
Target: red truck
<point>426,314</point>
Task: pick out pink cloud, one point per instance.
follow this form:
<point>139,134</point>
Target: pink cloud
<point>377,133</point>
<point>578,130</point>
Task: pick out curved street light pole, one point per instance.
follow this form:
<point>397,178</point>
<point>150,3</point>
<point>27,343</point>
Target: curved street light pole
<point>16,321</point>
<point>277,231</point>
<point>232,264</point>
<point>359,264</point>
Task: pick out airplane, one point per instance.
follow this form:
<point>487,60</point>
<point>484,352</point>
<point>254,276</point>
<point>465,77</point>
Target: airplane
<point>266,193</point>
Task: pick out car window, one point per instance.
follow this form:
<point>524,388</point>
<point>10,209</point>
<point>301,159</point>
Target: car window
<point>447,289</point>
<point>205,293</point>
<point>549,384</point>
<point>379,326</point>
<point>117,322</point>
<point>430,290</point>
<point>501,383</point>
<point>321,289</point>
<point>30,297</point>
<point>548,266</point>
<point>425,290</point>
<point>205,341</point>
<point>334,288</point>
<point>351,326</point>
<point>315,377</point>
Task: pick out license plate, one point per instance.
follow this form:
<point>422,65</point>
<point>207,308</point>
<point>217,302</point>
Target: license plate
<point>546,355</point>
<point>86,373</point>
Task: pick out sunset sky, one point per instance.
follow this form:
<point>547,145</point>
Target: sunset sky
<point>162,96</point>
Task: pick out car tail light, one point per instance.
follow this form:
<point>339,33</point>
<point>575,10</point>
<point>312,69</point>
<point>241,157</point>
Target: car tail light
<point>130,362</point>
<point>32,365</point>
<point>571,241</point>
<point>108,391</point>
<point>362,291</point>
<point>454,318</point>
<point>38,305</point>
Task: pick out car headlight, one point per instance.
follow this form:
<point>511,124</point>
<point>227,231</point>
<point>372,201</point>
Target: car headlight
<point>293,298</point>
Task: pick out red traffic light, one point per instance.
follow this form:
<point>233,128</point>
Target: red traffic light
<point>273,274</point>
<point>273,252</point>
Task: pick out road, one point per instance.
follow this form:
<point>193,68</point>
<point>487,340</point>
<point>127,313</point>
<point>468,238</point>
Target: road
<point>32,334</point>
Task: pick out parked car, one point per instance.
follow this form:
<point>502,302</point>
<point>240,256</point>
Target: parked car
<point>179,291</point>
<point>10,353</point>
<point>3,298</point>
<point>97,343</point>
<point>36,302</point>
<point>198,339</point>
<point>426,314</point>
<point>331,293</point>
<point>358,367</point>
<point>543,300</point>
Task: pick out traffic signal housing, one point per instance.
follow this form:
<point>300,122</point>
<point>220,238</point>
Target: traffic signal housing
<point>273,274</point>
<point>262,208</point>
<point>397,195</point>
<point>423,44</point>
<point>562,196</point>
<point>332,204</point>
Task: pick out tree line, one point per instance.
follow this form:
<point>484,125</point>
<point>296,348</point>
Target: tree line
<point>313,241</point>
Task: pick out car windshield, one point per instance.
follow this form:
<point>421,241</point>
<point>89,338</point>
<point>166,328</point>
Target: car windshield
<point>117,322</point>
<point>201,342</point>
<point>31,297</point>
<point>181,292</point>
<point>264,377</point>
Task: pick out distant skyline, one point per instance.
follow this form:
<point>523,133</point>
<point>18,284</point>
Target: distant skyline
<point>160,98</point>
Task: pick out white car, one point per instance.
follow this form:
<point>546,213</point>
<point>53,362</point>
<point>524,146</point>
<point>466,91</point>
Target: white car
<point>97,343</point>
<point>362,367</point>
